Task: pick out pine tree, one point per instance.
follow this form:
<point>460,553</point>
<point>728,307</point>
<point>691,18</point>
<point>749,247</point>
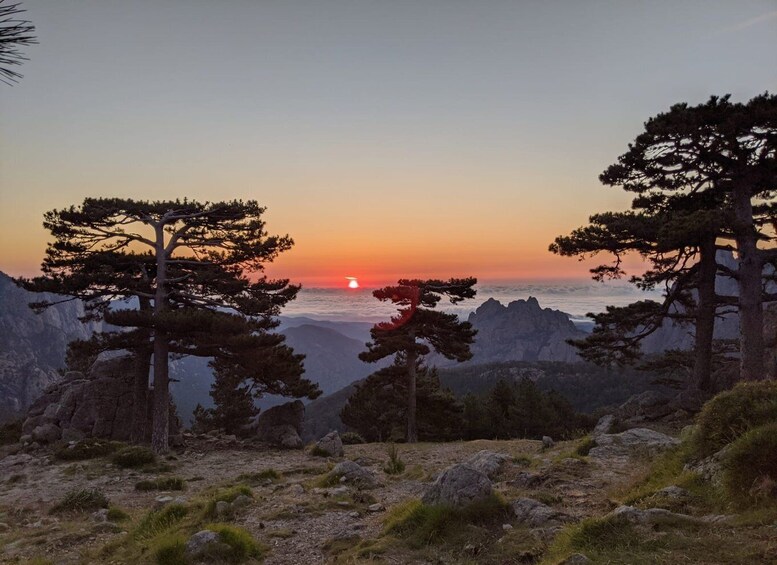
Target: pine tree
<point>178,259</point>
<point>418,329</point>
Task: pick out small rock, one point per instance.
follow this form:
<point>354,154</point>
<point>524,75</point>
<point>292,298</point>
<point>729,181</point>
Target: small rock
<point>547,442</point>
<point>674,492</point>
<point>241,501</point>
<point>222,508</point>
<point>353,473</point>
<point>458,485</point>
<point>337,491</point>
<point>507,527</point>
<point>101,515</point>
<point>202,543</point>
<point>331,444</point>
<point>353,514</point>
<point>377,507</point>
<point>161,501</point>
<point>297,489</point>
<point>536,514</point>
<point>576,559</point>
<point>180,500</point>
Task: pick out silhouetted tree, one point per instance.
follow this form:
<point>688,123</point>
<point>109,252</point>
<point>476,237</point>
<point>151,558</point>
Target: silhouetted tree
<point>418,329</point>
<point>195,257</point>
<point>13,34</point>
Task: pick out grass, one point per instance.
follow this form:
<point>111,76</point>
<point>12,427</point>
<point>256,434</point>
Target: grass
<point>228,494</point>
<point>116,514</point>
<point>352,438</point>
<point>159,521</point>
<point>89,448</point>
<point>81,501</point>
<point>162,483</point>
<point>235,545</point>
<point>133,456</point>
<point>584,446</point>
<point>318,452</point>
<point>422,524</point>
<point>750,467</point>
<point>259,476</point>
<point>395,465</point>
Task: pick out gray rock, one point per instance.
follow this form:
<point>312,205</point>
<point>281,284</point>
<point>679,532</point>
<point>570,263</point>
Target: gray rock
<point>547,442</point>
<point>651,516</point>
<point>354,474</point>
<point>297,489</point>
<point>241,501</point>
<point>202,543</point>
<point>46,433</point>
<point>647,406</point>
<point>223,507</point>
<point>674,492</point>
<point>576,559</point>
<point>487,462</point>
<point>161,501</point>
<point>535,514</point>
<point>603,426</point>
<point>281,425</point>
<point>458,485</point>
<point>710,468</point>
<point>101,515</point>
<point>331,444</point>
<point>631,442</point>
<point>377,507</point>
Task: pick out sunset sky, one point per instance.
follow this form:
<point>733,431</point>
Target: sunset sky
<point>388,138</point>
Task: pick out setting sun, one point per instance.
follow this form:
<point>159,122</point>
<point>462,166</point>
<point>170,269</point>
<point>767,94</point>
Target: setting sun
<point>352,282</point>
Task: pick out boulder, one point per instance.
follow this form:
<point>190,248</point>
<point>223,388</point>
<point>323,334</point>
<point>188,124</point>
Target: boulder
<point>331,444</point>
<point>647,406</point>
<point>710,468</point>
<point>202,543</point>
<point>487,462</point>
<point>352,473</point>
<point>98,405</point>
<point>281,425</point>
<point>547,442</point>
<point>603,426</point>
<point>535,514</point>
<point>631,442</point>
<point>458,485</point>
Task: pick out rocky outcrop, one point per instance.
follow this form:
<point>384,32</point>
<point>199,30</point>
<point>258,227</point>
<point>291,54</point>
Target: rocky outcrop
<point>33,346</point>
<point>535,514</point>
<point>282,425</point>
<point>98,405</point>
<point>487,462</point>
<point>522,331</point>
<point>458,485</point>
<point>637,441</point>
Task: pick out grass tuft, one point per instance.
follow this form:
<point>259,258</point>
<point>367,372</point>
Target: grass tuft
<point>162,483</point>
<point>750,467</point>
<point>133,456</point>
<point>89,448</point>
<point>395,465</point>
<point>159,521</point>
<point>81,501</point>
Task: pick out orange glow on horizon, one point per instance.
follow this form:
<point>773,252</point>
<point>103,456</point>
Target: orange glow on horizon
<point>352,282</point>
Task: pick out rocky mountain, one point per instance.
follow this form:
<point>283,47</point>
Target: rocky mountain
<point>522,331</point>
<point>32,346</point>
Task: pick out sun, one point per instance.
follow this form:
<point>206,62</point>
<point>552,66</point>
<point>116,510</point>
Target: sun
<point>352,282</point>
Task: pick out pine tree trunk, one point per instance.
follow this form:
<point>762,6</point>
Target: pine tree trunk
<point>140,395</point>
<point>751,340</point>
<point>160,430</point>
<point>412,432</point>
<point>705,316</point>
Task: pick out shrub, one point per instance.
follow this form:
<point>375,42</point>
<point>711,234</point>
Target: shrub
<point>732,413</point>
<point>750,467</point>
<point>170,550</point>
<point>89,448</point>
<point>81,501</point>
<point>133,456</point>
<point>158,521</point>
<point>352,438</point>
<point>318,452</point>
<point>395,465</point>
<point>162,483</point>
<point>585,446</point>
<point>116,514</point>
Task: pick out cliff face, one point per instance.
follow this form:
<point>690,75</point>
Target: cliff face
<point>32,346</point>
<point>522,331</point>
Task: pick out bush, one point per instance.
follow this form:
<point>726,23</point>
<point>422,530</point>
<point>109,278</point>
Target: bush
<point>318,452</point>
<point>170,550</point>
<point>352,438</point>
<point>585,446</point>
<point>731,414</point>
<point>162,483</point>
<point>395,465</point>
<point>241,545</point>
<point>89,448</point>
<point>750,467</point>
<point>116,514</point>
<point>133,456</point>
<point>81,501</point>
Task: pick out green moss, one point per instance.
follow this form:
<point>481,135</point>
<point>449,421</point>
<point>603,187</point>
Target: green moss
<point>81,501</point>
<point>89,448</point>
<point>133,456</point>
<point>162,483</point>
<point>750,466</point>
<point>731,414</point>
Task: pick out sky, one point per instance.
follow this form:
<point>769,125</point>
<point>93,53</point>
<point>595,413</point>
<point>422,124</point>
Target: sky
<point>388,138</point>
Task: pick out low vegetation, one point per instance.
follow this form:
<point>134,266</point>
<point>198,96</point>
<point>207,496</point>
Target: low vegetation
<point>81,501</point>
<point>162,483</point>
<point>394,465</point>
<point>133,456</point>
<point>89,448</point>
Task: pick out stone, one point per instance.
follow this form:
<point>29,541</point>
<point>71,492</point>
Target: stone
<point>331,444</point>
<point>674,492</point>
<point>547,442</point>
<point>281,425</point>
<point>241,501</point>
<point>576,559</point>
<point>223,507</point>
<point>161,501</point>
<point>651,516</point>
<point>647,406</point>
<point>632,442</point>
<point>46,433</point>
<point>297,489</point>
<point>527,479</point>
<point>458,485</point>
<point>101,515</point>
<point>603,426</point>
<point>710,468</point>
<point>377,507</point>
<point>201,543</point>
<point>354,474</point>
<point>507,527</point>
<point>535,514</point>
<point>487,462</point>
